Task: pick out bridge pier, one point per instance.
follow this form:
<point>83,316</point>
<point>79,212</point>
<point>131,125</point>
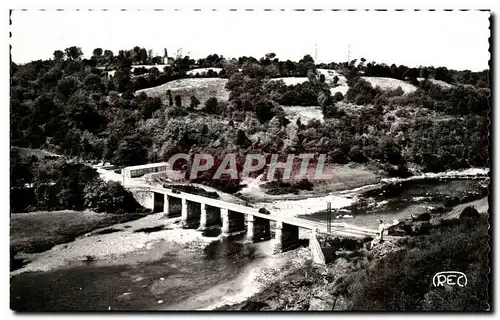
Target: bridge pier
<point>203,217</point>
<point>317,254</point>
<point>286,237</point>
<point>190,212</point>
<point>224,213</point>
<point>257,229</point>
<point>184,210</point>
<point>166,205</point>
<point>172,206</point>
<point>250,228</point>
<point>232,222</point>
<point>158,202</point>
<point>150,202</point>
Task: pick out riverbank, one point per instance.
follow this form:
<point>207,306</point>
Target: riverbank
<point>35,232</point>
<point>106,245</point>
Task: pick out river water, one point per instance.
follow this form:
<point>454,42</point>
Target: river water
<point>401,200</point>
<point>183,274</point>
<point>154,285</point>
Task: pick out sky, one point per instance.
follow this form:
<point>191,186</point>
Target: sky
<point>457,39</point>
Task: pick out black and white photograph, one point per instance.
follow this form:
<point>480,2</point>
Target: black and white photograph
<point>250,160</point>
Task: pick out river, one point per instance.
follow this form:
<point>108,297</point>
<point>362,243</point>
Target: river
<point>403,199</point>
<point>175,278</point>
<point>200,279</point>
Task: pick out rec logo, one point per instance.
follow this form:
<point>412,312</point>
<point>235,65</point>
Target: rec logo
<point>450,278</point>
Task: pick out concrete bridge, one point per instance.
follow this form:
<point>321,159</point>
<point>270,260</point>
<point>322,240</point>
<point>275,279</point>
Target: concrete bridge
<point>202,212</point>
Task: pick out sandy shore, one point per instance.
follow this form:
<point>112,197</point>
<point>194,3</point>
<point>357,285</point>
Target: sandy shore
<point>106,248</point>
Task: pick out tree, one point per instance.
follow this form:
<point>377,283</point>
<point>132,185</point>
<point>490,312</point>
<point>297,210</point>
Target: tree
<point>110,197</point>
<point>93,83</point>
<point>264,111</point>
<point>97,52</point>
<point>142,56</point>
<point>338,96</point>
<point>305,64</point>
<point>122,75</point>
<point>67,86</point>
<point>442,73</point>
<point>108,55</point>
<point>194,102</point>
<point>170,100</point>
<point>131,151</point>
<point>58,55</point>
<point>335,80</point>
<point>73,53</point>
<point>178,101</point>
<point>211,105</point>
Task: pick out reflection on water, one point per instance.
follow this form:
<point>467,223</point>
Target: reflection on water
<point>176,277</point>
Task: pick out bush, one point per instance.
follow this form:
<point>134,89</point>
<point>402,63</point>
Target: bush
<point>304,184</point>
<point>356,154</point>
<point>109,197</point>
<point>211,105</point>
<point>193,190</point>
<point>469,213</point>
<point>338,156</point>
<point>361,92</point>
<point>338,96</point>
<point>280,187</point>
<point>408,272</point>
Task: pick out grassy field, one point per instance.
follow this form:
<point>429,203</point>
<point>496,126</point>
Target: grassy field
<point>203,71</point>
<point>28,152</point>
<point>39,231</point>
<point>342,87</point>
<point>291,81</point>
<point>201,88</point>
<point>204,88</point>
<point>390,84</point>
<point>343,178</point>
<point>305,114</point>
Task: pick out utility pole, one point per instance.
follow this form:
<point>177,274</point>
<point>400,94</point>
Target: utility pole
<point>328,217</point>
<point>316,53</point>
<point>349,53</point>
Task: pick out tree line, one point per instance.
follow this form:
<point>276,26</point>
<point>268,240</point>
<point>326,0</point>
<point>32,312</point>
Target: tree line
<point>70,106</point>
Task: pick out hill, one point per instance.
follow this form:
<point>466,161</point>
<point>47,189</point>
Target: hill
<point>202,88</point>
<point>383,82</point>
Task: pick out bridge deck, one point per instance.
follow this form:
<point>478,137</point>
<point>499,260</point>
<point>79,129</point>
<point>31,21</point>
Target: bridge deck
<point>337,228</point>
